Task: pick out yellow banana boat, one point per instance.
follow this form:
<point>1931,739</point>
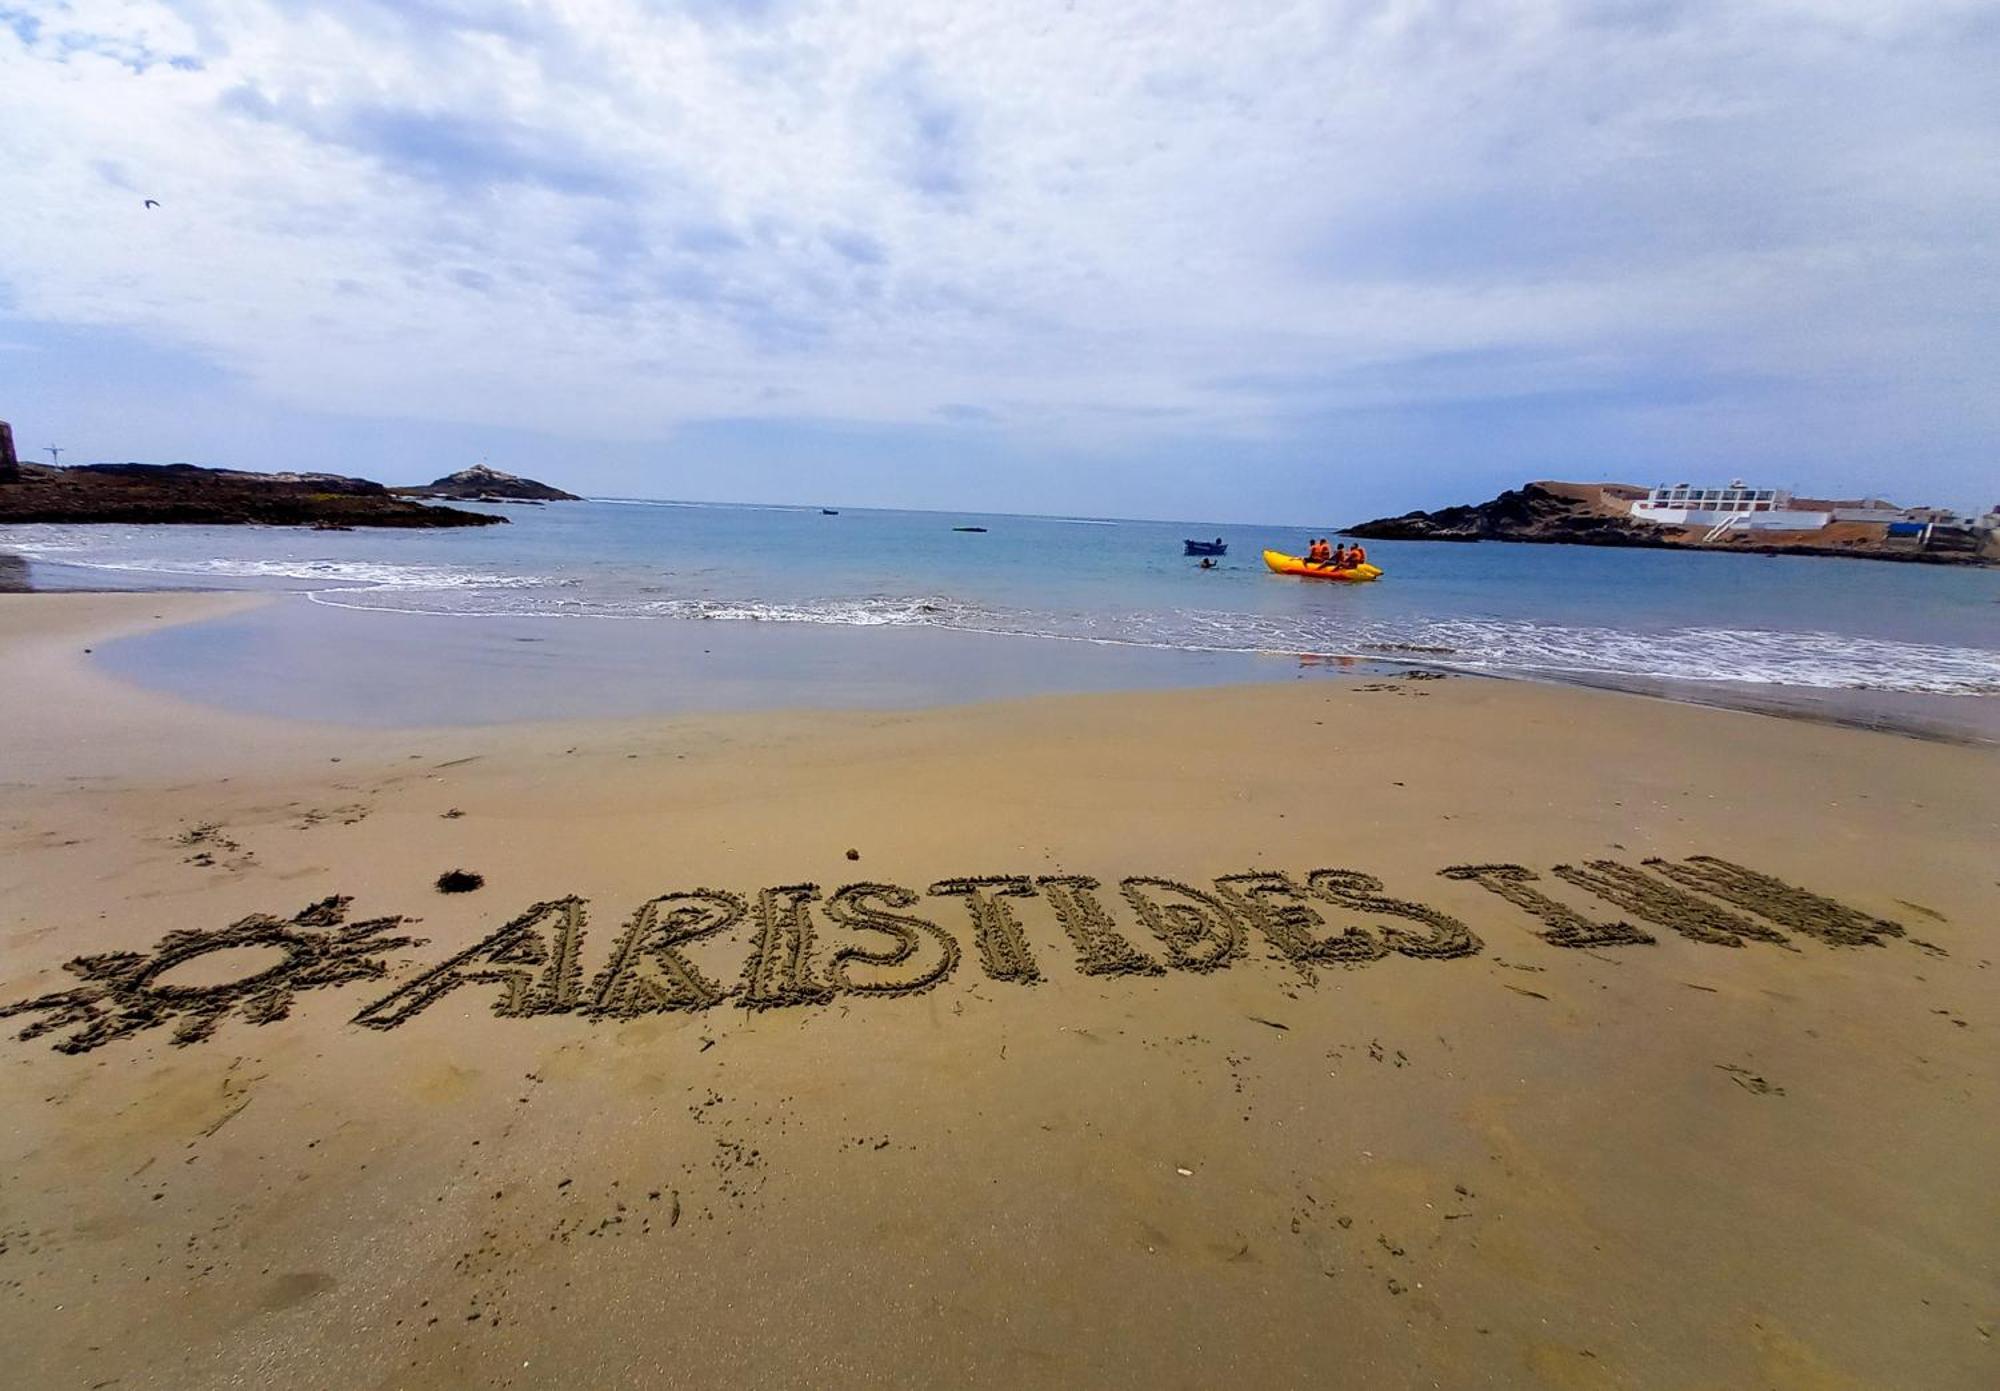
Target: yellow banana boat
<point>1292,565</point>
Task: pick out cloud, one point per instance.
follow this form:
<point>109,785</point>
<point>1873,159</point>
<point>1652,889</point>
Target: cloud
<point>924,135</point>
<point>1086,227</point>
<point>857,247</point>
<point>26,27</point>
<point>461,152</point>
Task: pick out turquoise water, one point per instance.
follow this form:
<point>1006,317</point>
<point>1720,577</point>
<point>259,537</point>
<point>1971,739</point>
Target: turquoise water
<point>1575,613</point>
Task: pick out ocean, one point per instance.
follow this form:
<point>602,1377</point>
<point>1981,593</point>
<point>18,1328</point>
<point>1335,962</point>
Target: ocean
<point>1084,603</point>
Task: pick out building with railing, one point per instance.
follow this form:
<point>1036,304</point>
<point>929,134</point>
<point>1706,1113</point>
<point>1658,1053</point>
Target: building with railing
<point>1736,506</point>
<point>1721,514</point>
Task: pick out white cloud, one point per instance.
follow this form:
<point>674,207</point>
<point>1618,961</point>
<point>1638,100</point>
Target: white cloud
<point>608,217</point>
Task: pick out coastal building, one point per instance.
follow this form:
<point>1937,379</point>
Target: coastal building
<point>1683,505</point>
<point>1735,507</point>
<point>1882,512</point>
<point>1739,507</point>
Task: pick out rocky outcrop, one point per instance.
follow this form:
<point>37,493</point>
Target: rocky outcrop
<point>482,484</point>
<point>1598,514</point>
<point>1579,514</point>
<point>185,493</point>
<point>10,465</point>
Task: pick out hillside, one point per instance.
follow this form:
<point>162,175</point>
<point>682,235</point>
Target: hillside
<point>187,494</point>
<point>1589,514</point>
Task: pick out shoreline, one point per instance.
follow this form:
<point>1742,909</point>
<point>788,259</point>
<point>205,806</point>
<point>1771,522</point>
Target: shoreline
<point>303,652</point>
<point>1907,650</point>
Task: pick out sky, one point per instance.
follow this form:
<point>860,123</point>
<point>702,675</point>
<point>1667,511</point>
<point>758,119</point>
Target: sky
<point>1244,261</point>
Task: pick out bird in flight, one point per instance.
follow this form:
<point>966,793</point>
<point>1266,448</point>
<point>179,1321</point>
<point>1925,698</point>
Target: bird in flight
<point>152,202</point>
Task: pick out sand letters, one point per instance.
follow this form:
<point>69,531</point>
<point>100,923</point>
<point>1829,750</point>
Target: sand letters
<point>1688,914</point>
<point>534,960</point>
<point>779,971</point>
<point>648,971</point>
<point>1782,903</point>
<point>807,947</point>
<point>865,908</point>
<point>1198,929</point>
<point>1562,926</point>
<point>1100,949</point>
<point>996,932</point>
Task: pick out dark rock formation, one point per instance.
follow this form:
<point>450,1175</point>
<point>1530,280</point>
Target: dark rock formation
<point>10,465</point>
<point>186,493</point>
<point>482,484</point>
<point>1578,514</point>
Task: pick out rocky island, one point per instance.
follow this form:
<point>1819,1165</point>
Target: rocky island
<point>1623,514</point>
<point>482,484</point>
<point>191,495</point>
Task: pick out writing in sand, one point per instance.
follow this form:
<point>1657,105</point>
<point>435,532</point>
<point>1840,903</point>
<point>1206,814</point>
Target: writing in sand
<point>809,947</point>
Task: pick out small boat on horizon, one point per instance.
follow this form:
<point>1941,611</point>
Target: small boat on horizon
<point>829,511</point>
<point>968,528</point>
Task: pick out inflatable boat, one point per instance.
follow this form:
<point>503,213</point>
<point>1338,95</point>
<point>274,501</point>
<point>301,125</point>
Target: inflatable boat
<point>1292,565</point>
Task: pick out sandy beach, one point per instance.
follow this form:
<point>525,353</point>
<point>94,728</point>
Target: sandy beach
<point>1331,1032</point>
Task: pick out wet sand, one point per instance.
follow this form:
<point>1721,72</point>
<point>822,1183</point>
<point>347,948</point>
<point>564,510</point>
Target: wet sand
<point>799,1047</point>
<point>292,657</point>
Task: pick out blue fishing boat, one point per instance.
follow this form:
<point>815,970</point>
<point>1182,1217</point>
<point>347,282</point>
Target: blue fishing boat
<point>1214,547</point>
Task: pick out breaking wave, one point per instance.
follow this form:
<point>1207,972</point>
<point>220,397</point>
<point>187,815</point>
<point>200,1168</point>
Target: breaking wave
<point>1825,661</point>
<point>349,575</point>
<point>73,547</point>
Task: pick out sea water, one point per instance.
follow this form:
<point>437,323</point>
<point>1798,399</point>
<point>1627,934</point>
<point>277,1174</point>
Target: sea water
<point>1670,621</point>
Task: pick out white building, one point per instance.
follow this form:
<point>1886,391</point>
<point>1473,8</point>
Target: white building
<point>1739,507</point>
<point>1736,506</point>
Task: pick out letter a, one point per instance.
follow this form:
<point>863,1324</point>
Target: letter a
<point>537,971</point>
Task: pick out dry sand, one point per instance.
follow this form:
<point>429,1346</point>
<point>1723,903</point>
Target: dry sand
<point>1465,1155</point>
